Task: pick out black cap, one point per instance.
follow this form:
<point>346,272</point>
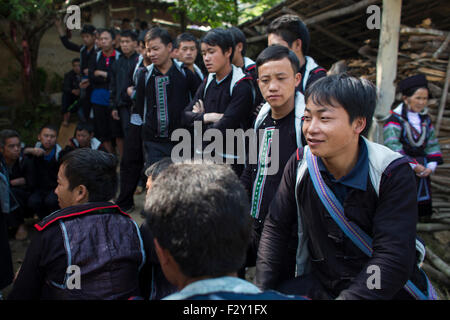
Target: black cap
<point>411,84</point>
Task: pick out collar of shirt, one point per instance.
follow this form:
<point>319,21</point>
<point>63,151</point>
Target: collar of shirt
<point>208,286</point>
<point>219,82</point>
<point>357,177</point>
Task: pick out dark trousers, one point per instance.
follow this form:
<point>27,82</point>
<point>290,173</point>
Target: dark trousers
<point>43,202</point>
<point>124,113</point>
<point>16,218</point>
<point>130,166</point>
<point>6,267</point>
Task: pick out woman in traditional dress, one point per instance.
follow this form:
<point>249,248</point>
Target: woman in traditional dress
<point>409,131</point>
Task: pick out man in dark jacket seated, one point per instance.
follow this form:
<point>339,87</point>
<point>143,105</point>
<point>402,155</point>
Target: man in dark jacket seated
<point>198,214</point>
<point>366,184</point>
<point>89,249</point>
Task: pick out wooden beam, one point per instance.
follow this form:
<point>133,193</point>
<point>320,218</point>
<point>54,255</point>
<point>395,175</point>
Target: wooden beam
<point>387,62</point>
<point>322,30</point>
<point>443,100</point>
<point>340,12</point>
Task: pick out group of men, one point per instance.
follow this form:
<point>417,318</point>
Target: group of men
<point>206,223</point>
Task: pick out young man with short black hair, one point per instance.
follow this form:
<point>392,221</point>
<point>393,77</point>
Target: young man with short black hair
<point>224,101</point>
<point>354,202</point>
<point>100,66</point>
<point>83,138</point>
<point>122,78</point>
<point>100,244</point>
<point>200,253</point>
<point>290,31</point>
<point>280,120</point>
<point>21,179</point>
<point>71,92</point>
<point>162,96</point>
<point>46,156</point>
<point>188,48</point>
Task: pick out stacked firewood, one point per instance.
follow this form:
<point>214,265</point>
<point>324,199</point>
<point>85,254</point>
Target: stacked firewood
<point>427,51</point>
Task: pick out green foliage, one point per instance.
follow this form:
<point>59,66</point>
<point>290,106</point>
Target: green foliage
<point>22,10</point>
<point>56,83</point>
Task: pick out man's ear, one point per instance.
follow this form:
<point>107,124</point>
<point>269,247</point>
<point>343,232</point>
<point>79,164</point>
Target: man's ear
<point>239,47</point>
<point>161,253</point>
<point>169,46</point>
<point>81,194</point>
<point>298,78</point>
<point>228,53</point>
<point>359,125</point>
<point>297,46</point>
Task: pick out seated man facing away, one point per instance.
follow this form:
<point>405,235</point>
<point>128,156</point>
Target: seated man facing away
<point>198,214</point>
<point>89,249</point>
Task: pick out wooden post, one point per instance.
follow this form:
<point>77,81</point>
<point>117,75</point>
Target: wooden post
<point>387,63</point>
<point>443,99</point>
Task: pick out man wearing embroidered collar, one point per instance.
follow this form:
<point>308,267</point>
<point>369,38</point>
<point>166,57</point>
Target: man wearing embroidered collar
<point>353,201</point>
<point>67,259</point>
<point>280,116</point>
<point>224,100</point>
<point>198,215</point>
<point>162,96</point>
<point>409,130</point>
<point>188,48</point>
<point>291,32</point>
<point>83,138</point>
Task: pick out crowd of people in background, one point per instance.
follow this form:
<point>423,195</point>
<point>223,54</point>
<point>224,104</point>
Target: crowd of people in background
<point>206,224</point>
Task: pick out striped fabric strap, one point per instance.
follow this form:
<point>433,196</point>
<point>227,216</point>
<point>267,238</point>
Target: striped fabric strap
<point>351,230</point>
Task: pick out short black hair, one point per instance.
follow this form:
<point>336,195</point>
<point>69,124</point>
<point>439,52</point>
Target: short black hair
<point>129,34</point>
<point>156,168</point>
<point>111,31</point>
<point>239,37</point>
<point>277,52</point>
<point>157,32</point>
<point>186,36</point>
<point>49,126</point>
<point>75,60</point>
<point>200,214</point>
<point>6,134</point>
<point>88,29</point>
<point>94,169</point>
<point>356,95</point>
<point>143,25</point>
<point>290,28</point>
<point>126,20</point>
<point>219,37</point>
<point>84,126</point>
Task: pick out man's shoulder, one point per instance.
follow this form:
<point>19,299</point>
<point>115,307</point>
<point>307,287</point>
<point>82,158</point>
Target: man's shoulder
<point>76,211</point>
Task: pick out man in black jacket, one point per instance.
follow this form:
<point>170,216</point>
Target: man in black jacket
<point>374,185</point>
<point>122,78</point>
<point>86,50</point>
<point>71,92</point>
<point>162,96</point>
<point>89,249</point>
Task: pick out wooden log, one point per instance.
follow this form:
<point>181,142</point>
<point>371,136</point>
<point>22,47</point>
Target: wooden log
<point>435,274</point>
<point>408,30</point>
<point>432,72</point>
<point>432,227</point>
<point>443,99</point>
<point>437,262</point>
<point>442,47</point>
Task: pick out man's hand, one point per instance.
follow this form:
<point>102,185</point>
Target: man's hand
<point>38,152</point>
<point>130,91</point>
<point>99,73</point>
<point>115,115</point>
<point>76,92</point>
<point>84,83</point>
<point>17,182</point>
<point>212,117</point>
<point>58,25</point>
<point>198,107</point>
